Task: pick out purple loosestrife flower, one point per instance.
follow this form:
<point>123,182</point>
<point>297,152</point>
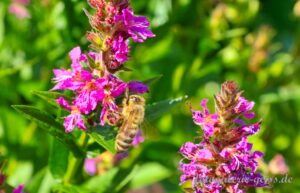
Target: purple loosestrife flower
<point>137,87</point>
<point>91,89</point>
<point>224,153</point>
<point>91,81</point>
<point>120,49</point>
<point>74,119</point>
<point>136,26</point>
<point>205,119</point>
<point>113,24</point>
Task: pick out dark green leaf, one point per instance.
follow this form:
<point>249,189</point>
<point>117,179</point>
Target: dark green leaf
<point>105,137</point>
<point>157,109</point>
<point>49,96</point>
<point>50,125</point>
<point>58,159</point>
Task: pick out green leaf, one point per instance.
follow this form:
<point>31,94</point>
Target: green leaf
<point>58,159</point>
<point>105,180</point>
<point>50,125</point>
<point>49,96</point>
<point>152,80</point>
<point>157,109</point>
<point>124,177</point>
<point>149,173</point>
<point>34,184</point>
<point>69,188</point>
<point>104,136</point>
<point>115,180</point>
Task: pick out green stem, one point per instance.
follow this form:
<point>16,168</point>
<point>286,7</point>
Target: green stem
<point>74,163</point>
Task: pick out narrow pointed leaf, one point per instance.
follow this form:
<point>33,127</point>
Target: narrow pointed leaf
<point>50,125</point>
<point>157,109</point>
<point>49,96</point>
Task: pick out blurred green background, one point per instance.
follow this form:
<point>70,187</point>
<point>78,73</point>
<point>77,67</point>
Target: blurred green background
<point>199,44</point>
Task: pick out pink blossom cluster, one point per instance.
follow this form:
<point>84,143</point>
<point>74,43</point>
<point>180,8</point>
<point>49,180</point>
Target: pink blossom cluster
<point>91,77</point>
<point>113,24</point>
<point>224,151</point>
<point>93,90</point>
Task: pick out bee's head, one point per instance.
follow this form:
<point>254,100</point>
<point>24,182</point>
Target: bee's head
<point>135,99</point>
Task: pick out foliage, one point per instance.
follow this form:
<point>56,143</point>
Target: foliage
<point>198,45</point>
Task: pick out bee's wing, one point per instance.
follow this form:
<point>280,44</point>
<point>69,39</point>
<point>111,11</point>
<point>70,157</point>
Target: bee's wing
<point>148,130</point>
<point>128,122</point>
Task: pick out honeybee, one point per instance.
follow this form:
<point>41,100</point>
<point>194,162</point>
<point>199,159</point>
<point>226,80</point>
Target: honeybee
<point>132,117</point>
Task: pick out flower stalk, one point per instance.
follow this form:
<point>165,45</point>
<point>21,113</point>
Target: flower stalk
<point>92,78</point>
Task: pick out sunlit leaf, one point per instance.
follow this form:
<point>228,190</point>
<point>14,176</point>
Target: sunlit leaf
<point>105,180</point>
<point>149,173</point>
